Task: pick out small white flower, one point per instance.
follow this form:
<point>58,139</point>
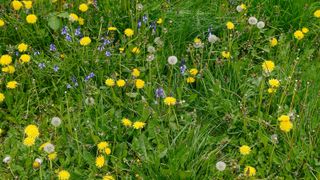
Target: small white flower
<point>239,8</point>
<point>150,57</point>
<point>260,24</point>
<point>55,121</point>
<point>221,166</point>
<point>252,20</point>
<point>7,159</point>
<point>213,38</point>
<point>172,60</point>
<point>139,7</point>
<point>38,160</point>
<point>49,148</point>
<point>151,49</point>
<point>89,101</point>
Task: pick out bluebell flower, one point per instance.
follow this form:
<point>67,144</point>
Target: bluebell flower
<point>139,24</point>
<point>77,32</point>
<point>69,86</point>
<point>42,65</point>
<point>91,75</point>
<point>106,41</point>
<point>55,68</point>
<point>68,37</point>
<point>53,47</point>
<point>36,53</point>
<point>145,18</point>
<point>17,53</point>
<point>108,54</point>
<point>183,68</point>
<point>64,30</point>
<point>75,81</point>
<point>100,48</point>
<point>159,93</point>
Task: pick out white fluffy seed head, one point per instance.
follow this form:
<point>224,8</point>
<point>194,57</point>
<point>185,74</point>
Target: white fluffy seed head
<point>261,24</point>
<point>49,148</point>
<point>239,8</point>
<point>221,166</point>
<point>38,160</point>
<point>213,38</point>
<point>172,60</point>
<point>6,159</point>
<point>55,121</point>
<point>252,20</point>
<point>151,49</point>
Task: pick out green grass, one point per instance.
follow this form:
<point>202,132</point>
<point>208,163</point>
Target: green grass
<point>228,106</point>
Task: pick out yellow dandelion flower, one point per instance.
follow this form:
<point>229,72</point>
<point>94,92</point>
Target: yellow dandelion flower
<point>193,71</point>
<point>230,25</point>
<point>284,118</point>
<point>286,126</point>
<point>305,30</point>
<point>25,58</point>
<point>107,151</point>
<point>271,90</point>
<point>81,21</point>
<point>121,83</point>
<point>135,72</point>
<point>121,50</point>
<point>225,54</point>
<point>27,4</point>
<point>85,41</point>
<point>170,101</point>
<point>5,59</point>
<point>112,28</point>
<point>243,6</point>
<point>35,165</point>
<point>317,13</point>
<point>83,7</point>
<point>135,50</point>
<point>31,19</point>
<point>245,150</point>
<point>100,161</point>
<point>29,141</point>
<point>9,69</point>
<point>268,66</point>
<point>126,122</point>
<point>274,83</point>
<point>43,145</point>
<point>138,125</point>
<point>73,17</point>
<point>2,23</point>
<point>102,145</point>
<point>32,131</point>
<point>2,97</point>
<point>160,21</point>
<point>273,42</point>
<point>12,84</point>
<point>22,47</point>
<point>298,34</point>
<point>191,80</point>
<point>63,175</point>
<point>108,177</point>
<point>129,32</point>
<point>109,82</point>
<point>52,156</point>
<point>139,83</point>
<point>249,171</point>
<point>16,5</point>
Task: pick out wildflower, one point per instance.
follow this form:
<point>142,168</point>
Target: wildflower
<point>108,177</point>
<point>24,58</point>
<point>2,97</point>
<point>107,151</point>
<point>245,150</point>
<point>193,71</point>
<point>56,121</point>
<point>121,83</point>
<point>182,68</point>
<point>73,17</point>
<point>298,34</point>
<point>9,69</point>
<point>129,32</point>
<point>102,145</point>
<point>81,21</point>
<point>230,25</point>
<point>274,83</point>
<point>305,30</point>
<point>85,41</point>
<point>268,66</point>
<point>77,32</point>
<point>273,42</point>
<point>29,141</point>
<point>32,131</point>
<point>271,90</point>
<point>160,21</point>
<point>109,82</point>
<point>36,164</point>
<point>31,19</point>
<point>55,68</point>
<point>221,166</point>
<point>239,8</point>
<point>286,126</point>
<point>91,75</point>
<point>83,7</point>
<point>159,93</point>
<point>191,80</point>
<point>12,84</point>
<point>63,175</point>
<point>225,54</point>
<point>213,38</point>
<point>252,20</point>
<point>135,72</point>
<point>48,148</point>
<point>22,47</point>
<point>16,5</point>
<point>150,57</point>
<point>108,53</point>
<point>172,60</point>
<point>284,118</point>
<point>274,138</point>
<point>243,6</point>
<point>6,159</point>
<point>100,161</point>
<point>5,59</point>
<point>151,49</point>
<point>135,50</point>
<point>27,4</point>
<point>112,28</point>
<point>249,171</point>
<point>317,13</point>
<point>170,101</point>
<point>126,122</point>
<point>139,7</point>
<point>261,24</point>
<point>197,43</point>
<point>2,23</point>
<point>52,156</point>
<point>139,83</point>
<point>138,125</point>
